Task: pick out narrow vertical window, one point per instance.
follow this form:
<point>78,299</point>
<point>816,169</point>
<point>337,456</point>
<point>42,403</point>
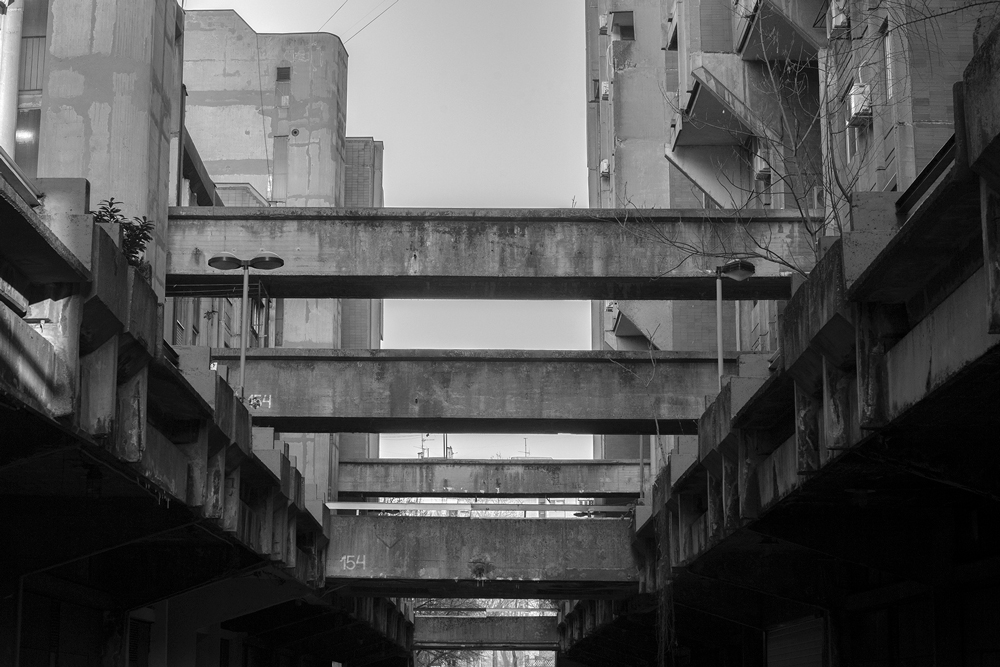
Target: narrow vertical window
<point>283,87</point>
<point>888,62</point>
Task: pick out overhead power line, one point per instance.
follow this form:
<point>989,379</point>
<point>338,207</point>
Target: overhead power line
<point>337,11</point>
<point>372,21</point>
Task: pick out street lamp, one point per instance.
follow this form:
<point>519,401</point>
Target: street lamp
<point>227,261</point>
<point>736,269</point>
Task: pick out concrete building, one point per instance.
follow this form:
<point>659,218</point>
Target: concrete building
<point>628,112</point>
<point>268,113</point>
<point>145,523</point>
<point>832,504</point>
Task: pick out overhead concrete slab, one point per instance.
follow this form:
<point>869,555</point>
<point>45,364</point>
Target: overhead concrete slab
<point>477,391</point>
<point>447,557</point>
<point>497,633</point>
<point>415,478</point>
<point>489,253</point>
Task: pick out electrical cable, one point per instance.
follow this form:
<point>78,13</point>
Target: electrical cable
<point>332,15</point>
<point>370,22</point>
<point>263,123</point>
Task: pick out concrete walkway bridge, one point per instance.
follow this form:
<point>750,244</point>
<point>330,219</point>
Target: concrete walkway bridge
<point>491,253</point>
<point>471,546</point>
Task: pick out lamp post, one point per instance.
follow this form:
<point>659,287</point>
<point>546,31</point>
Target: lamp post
<point>227,261</point>
<point>737,269</point>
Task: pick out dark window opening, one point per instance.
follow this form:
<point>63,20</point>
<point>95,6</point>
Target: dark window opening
<point>284,74</point>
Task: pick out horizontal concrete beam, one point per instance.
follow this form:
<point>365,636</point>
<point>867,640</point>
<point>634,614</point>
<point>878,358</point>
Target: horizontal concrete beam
<point>414,478</point>
<point>456,558</point>
<point>476,391</point>
<point>487,253</point>
<point>498,633</point>
<point>475,507</point>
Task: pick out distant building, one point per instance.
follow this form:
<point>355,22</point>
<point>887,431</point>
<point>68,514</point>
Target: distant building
<point>268,114</point>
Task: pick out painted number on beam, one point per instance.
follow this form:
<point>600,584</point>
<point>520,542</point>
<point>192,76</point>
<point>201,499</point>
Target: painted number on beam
<point>352,562</point>
<point>259,400</point>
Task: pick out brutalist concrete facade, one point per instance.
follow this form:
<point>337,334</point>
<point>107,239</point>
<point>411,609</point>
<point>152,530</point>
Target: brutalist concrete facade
<point>145,522</point>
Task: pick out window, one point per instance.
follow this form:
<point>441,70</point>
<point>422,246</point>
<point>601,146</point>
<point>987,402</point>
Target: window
<point>283,87</point>
<point>888,61</point>
<point>622,26</point>
<point>762,189</point>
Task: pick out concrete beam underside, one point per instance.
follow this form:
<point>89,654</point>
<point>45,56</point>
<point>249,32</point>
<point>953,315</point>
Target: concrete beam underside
<point>499,633</point>
<point>473,391</point>
<point>408,478</point>
<point>449,557</point>
<point>490,253</point>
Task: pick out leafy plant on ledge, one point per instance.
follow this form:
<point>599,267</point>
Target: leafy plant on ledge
<point>136,233</point>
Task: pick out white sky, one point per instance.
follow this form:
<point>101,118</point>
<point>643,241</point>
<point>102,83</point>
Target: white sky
<point>480,103</point>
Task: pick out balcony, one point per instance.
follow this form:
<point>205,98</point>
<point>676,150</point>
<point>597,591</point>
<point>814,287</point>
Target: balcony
<point>779,30</point>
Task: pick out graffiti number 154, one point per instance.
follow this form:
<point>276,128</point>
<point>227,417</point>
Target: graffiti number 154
<point>351,562</point>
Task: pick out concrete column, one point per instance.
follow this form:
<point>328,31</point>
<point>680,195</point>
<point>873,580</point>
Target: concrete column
<point>61,316</point>
<point>98,388</point>
<point>10,68</point>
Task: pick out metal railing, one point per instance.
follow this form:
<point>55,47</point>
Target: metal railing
<point>734,102</point>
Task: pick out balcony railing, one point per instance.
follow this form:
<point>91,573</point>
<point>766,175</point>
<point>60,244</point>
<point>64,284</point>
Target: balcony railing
<point>734,102</point>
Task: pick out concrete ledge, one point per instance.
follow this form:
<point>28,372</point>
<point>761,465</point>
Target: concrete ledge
<point>818,322</point>
<point>715,426</point>
<point>106,309</point>
<point>31,370</point>
<point>164,464</point>
<point>951,338</point>
<point>36,250</point>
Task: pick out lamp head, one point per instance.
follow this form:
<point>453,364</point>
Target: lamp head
<point>225,261</point>
<point>267,261</point>
<point>737,269</point>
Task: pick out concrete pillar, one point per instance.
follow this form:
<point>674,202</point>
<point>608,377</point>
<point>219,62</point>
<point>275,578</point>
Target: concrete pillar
<point>98,385</point>
<point>10,69</point>
<point>131,420</point>
<point>200,470</point>
<point>60,318</point>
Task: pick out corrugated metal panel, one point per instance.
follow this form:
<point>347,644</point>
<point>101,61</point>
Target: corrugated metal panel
<point>32,63</point>
<point>798,644</point>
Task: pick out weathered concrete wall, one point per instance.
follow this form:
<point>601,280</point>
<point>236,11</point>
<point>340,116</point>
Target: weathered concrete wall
<point>955,335</point>
<point>31,369</point>
<point>105,108</point>
<point>300,130</point>
<point>476,391</point>
<point>499,557</point>
<point>982,99</point>
<point>510,633</point>
<point>550,253</point>
<point>453,477</point>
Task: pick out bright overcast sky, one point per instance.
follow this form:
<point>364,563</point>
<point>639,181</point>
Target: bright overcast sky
<point>480,103</point>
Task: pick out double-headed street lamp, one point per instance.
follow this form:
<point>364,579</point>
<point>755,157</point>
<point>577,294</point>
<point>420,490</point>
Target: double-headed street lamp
<point>227,261</point>
<point>737,269</point>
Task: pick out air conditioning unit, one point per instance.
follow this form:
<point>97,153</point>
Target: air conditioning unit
<point>605,90</point>
<point>861,105</point>
<point>602,24</point>
<point>605,169</point>
<point>839,19</point>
